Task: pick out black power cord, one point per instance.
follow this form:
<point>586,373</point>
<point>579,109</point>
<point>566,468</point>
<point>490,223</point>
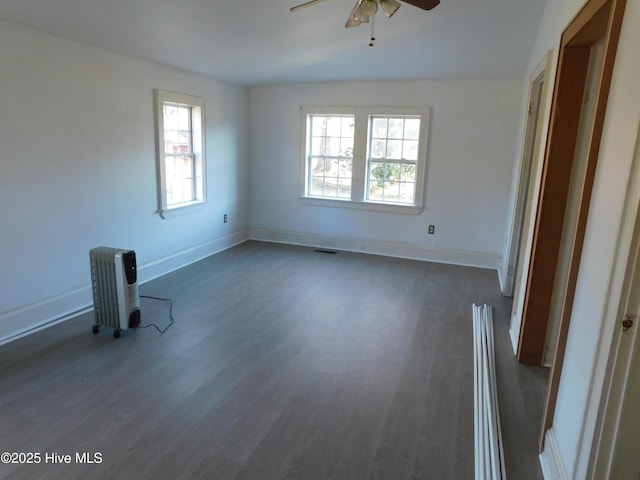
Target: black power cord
<point>170,314</point>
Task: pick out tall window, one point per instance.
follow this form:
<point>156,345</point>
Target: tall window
<point>330,155</point>
<point>180,125</point>
<point>366,157</point>
<point>392,159</point>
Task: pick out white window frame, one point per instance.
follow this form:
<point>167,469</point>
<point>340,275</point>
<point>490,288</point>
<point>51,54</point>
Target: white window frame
<point>197,107</point>
<point>362,115</point>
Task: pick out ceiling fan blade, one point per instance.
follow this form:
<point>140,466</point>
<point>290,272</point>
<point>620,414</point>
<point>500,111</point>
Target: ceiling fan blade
<point>423,4</point>
<point>304,5</point>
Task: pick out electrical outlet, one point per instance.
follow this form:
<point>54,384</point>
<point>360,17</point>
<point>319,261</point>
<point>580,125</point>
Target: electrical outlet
<point>225,218</point>
<point>432,229</point>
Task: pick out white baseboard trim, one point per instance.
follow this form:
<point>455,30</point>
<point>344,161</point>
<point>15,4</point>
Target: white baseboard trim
<point>502,278</point>
<point>551,459</point>
<point>42,314</point>
<point>170,263</point>
<point>36,316</point>
<point>390,249</point>
<point>514,336</point>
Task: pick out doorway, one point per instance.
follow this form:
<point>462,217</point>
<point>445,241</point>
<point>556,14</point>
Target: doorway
<point>531,148</point>
<point>566,184</point>
<point>530,151</point>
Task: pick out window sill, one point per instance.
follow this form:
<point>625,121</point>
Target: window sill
<point>371,206</point>
<point>182,209</point>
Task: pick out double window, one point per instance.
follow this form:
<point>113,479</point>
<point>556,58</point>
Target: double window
<point>365,157</point>
<point>180,150</point>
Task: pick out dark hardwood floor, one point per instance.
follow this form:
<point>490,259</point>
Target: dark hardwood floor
<point>283,363</point>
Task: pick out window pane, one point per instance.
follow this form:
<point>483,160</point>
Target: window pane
<point>396,128</point>
<point>184,114</point>
<point>379,127</point>
<point>330,187</point>
<point>346,166</point>
<point>376,181</point>
<point>394,149</point>
<point>171,141</point>
<point>344,188</point>
<point>348,127</point>
<point>391,182</point>
<point>316,186</point>
<point>332,146</point>
<point>334,126</point>
<point>318,126</point>
<point>410,150</point>
<point>407,192</point>
<point>177,124</point>
<point>393,172</point>
<point>170,117</point>
<point>179,179</point>
<point>376,194</point>
<point>378,148</point>
<point>184,137</point>
<point>317,145</point>
<point>346,147</point>
<point>331,168</point>
<point>412,128</point>
<point>408,173</point>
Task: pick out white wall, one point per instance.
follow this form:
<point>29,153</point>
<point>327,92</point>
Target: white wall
<point>472,142</point>
<point>78,170</point>
<point>599,285</point>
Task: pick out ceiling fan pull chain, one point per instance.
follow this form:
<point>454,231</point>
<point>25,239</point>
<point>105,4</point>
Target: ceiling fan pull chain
<point>373,38</point>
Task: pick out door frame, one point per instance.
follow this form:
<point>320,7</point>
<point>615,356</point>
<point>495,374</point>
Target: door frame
<point>538,87</point>
<point>597,20</point>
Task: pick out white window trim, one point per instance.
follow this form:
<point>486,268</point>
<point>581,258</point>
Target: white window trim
<point>198,130</point>
<point>361,136</point>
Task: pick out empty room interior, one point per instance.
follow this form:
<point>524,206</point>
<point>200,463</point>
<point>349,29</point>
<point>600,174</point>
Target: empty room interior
<point>299,216</point>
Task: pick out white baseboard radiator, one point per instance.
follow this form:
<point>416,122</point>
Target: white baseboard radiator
<point>116,303</point>
<point>489,451</point>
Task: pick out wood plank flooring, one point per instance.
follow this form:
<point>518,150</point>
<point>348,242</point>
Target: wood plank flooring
<point>283,363</point>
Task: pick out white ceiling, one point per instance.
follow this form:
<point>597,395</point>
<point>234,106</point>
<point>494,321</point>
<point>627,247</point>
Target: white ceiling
<point>255,42</point>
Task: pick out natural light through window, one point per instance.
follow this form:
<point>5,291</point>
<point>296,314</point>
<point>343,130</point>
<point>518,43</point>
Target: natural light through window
<point>392,160</point>
<point>180,150</point>
<point>331,156</point>
<point>178,154</point>
<point>365,157</point>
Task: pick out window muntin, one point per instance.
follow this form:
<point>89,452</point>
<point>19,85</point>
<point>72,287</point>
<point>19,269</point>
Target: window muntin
<point>375,161</point>
<point>180,123</point>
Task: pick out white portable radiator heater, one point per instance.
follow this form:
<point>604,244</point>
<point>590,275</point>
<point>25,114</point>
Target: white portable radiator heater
<point>116,303</point>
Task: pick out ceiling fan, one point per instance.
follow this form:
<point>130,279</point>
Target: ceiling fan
<point>365,10</point>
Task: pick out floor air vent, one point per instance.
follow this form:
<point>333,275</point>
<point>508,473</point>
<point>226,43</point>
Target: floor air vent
<point>324,250</point>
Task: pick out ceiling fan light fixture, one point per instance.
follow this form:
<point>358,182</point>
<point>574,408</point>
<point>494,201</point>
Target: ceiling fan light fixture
<point>389,7</point>
<point>368,7</point>
<point>361,17</point>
